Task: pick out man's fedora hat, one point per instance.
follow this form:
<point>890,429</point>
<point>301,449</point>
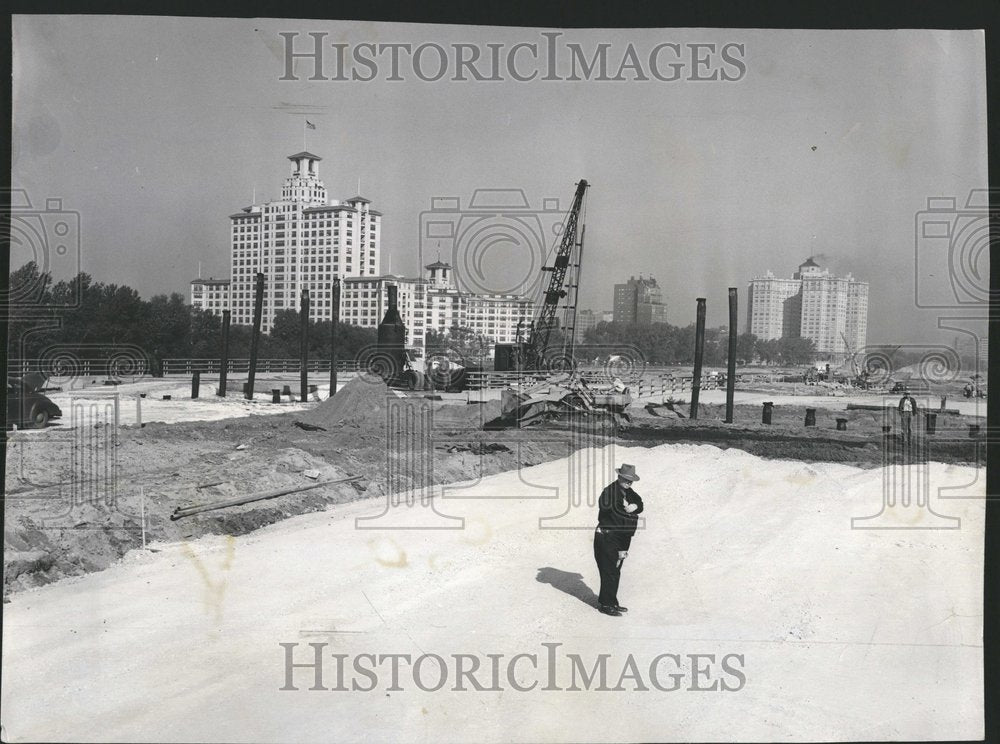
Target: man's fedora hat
<point>627,472</point>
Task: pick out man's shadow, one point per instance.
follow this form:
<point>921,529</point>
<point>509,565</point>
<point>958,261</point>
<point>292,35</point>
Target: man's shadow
<point>570,583</point>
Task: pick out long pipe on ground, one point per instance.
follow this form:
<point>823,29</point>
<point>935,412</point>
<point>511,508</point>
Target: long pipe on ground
<point>258,311</point>
<point>236,501</point>
<point>333,337</point>
<point>699,352</point>
<point>224,357</point>
<point>304,346</point>
<point>731,370</point>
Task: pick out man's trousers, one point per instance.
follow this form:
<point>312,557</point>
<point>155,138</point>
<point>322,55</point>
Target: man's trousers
<point>606,555</point>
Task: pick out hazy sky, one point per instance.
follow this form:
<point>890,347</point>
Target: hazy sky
<point>156,129</point>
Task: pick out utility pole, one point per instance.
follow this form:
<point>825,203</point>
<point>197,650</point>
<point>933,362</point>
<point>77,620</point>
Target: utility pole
<point>224,356</point>
<point>304,346</point>
<point>258,310</point>
<point>731,369</point>
<point>699,351</point>
<point>333,337</point>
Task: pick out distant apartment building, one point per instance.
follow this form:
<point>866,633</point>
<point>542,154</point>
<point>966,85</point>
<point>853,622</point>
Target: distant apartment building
<point>814,304</point>
<point>639,301</point>
<point>585,320</point>
<point>211,295</point>
<point>774,307</point>
<point>301,241</point>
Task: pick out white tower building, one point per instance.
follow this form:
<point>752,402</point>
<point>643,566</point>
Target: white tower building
<point>302,241</point>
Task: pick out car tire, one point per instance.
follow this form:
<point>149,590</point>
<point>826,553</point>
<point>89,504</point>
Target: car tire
<point>39,417</point>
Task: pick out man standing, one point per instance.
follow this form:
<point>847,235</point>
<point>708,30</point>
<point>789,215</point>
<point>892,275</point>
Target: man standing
<point>618,513</point>
<point>907,410</point>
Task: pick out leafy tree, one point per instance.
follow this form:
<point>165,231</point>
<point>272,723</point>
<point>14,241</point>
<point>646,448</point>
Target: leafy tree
<point>167,329</point>
<point>206,334</point>
<point>283,340</point>
<point>467,343</point>
<point>746,348</point>
<point>795,350</point>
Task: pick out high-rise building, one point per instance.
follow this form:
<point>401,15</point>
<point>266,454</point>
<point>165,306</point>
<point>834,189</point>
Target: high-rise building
<point>639,301</point>
<point>210,294</point>
<point>856,324</point>
<point>585,320</point>
<point>830,310</point>
<point>304,241</point>
<point>774,307</point>
<point>301,241</point>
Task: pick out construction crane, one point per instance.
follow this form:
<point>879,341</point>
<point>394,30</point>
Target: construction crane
<point>564,395</point>
<point>532,352</point>
<point>858,376</point>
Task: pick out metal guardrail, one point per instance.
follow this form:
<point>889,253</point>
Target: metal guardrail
<point>67,366</point>
<point>242,366</point>
<point>650,381</point>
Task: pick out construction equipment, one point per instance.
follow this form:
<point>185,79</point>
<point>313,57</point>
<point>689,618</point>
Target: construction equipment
<point>532,353</point>
<point>859,376</point>
<point>565,397</point>
<point>448,370</point>
<point>389,359</point>
<point>397,365</point>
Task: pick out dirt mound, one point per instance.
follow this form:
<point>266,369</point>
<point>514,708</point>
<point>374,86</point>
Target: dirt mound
<point>361,403</point>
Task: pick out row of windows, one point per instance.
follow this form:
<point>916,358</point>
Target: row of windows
<point>244,225</point>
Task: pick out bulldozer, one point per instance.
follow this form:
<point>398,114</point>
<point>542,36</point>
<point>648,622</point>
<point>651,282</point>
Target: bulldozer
<point>566,398</point>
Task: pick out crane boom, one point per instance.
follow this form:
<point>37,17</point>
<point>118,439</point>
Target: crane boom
<point>541,331</point>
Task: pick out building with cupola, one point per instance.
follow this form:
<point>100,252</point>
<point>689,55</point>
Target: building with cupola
<point>304,240</point>
<point>301,241</point>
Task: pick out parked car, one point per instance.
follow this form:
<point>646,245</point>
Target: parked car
<point>27,405</point>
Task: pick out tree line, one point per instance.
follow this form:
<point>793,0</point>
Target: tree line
<point>93,320</point>
<point>87,320</point>
<point>662,343</point>
<point>658,343</point>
